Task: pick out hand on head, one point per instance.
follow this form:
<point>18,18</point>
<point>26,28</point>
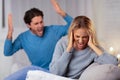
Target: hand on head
<point>90,42</point>
<point>70,42</point>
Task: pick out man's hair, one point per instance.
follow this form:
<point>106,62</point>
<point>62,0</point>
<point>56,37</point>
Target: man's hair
<point>31,14</point>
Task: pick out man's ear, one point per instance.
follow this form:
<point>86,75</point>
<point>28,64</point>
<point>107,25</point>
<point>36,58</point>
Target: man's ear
<point>28,25</point>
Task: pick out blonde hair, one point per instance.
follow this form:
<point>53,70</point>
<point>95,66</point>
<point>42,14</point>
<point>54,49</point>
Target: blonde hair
<point>86,23</point>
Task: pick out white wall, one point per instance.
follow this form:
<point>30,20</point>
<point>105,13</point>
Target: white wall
<point>1,12</point>
<point>4,62</point>
<point>107,19</point>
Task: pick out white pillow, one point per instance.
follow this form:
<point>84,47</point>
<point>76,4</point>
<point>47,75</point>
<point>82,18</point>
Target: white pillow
<point>41,75</point>
<point>101,72</point>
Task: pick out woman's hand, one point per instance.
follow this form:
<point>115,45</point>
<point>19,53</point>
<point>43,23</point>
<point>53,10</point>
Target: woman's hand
<point>70,42</point>
<point>90,42</point>
<point>93,46</point>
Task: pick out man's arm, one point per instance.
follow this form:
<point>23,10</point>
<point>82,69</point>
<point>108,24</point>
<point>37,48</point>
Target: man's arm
<point>61,31</point>
<point>57,8</point>
<point>9,47</point>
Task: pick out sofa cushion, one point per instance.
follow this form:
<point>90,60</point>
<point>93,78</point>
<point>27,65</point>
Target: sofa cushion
<point>101,72</point>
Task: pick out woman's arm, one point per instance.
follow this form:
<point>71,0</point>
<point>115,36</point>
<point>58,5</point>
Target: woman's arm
<point>60,58</point>
<point>103,56</point>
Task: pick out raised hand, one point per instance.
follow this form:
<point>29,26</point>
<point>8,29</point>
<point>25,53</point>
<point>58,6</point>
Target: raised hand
<point>10,27</point>
<point>58,8</point>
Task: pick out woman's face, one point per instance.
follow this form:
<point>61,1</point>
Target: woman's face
<point>81,38</point>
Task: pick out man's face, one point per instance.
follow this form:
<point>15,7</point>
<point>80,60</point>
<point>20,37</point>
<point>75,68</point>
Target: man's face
<point>81,38</point>
<point>37,25</point>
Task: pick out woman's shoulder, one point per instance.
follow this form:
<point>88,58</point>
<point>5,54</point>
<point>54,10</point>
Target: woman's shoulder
<point>63,41</point>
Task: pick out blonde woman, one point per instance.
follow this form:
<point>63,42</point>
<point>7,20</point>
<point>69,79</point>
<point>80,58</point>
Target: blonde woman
<point>77,51</point>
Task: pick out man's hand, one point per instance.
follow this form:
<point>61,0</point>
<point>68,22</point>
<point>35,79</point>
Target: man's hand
<point>10,27</point>
<point>57,8</point>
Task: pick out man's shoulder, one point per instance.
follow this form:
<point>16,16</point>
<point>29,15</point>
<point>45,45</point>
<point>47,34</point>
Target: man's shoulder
<point>24,33</point>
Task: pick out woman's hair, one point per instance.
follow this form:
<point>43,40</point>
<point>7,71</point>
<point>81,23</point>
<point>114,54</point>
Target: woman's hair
<point>84,23</point>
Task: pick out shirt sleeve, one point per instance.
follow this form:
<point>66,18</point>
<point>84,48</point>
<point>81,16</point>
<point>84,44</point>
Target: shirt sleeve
<point>106,58</point>
<point>63,29</point>
<point>10,48</point>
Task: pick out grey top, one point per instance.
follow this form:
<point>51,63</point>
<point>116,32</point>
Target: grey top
<point>74,63</point>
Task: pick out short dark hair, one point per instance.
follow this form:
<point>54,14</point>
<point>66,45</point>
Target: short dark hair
<point>31,14</point>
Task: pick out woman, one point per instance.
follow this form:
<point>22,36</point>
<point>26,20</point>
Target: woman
<point>77,51</point>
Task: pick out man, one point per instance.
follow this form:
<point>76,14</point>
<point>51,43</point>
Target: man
<point>39,41</point>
